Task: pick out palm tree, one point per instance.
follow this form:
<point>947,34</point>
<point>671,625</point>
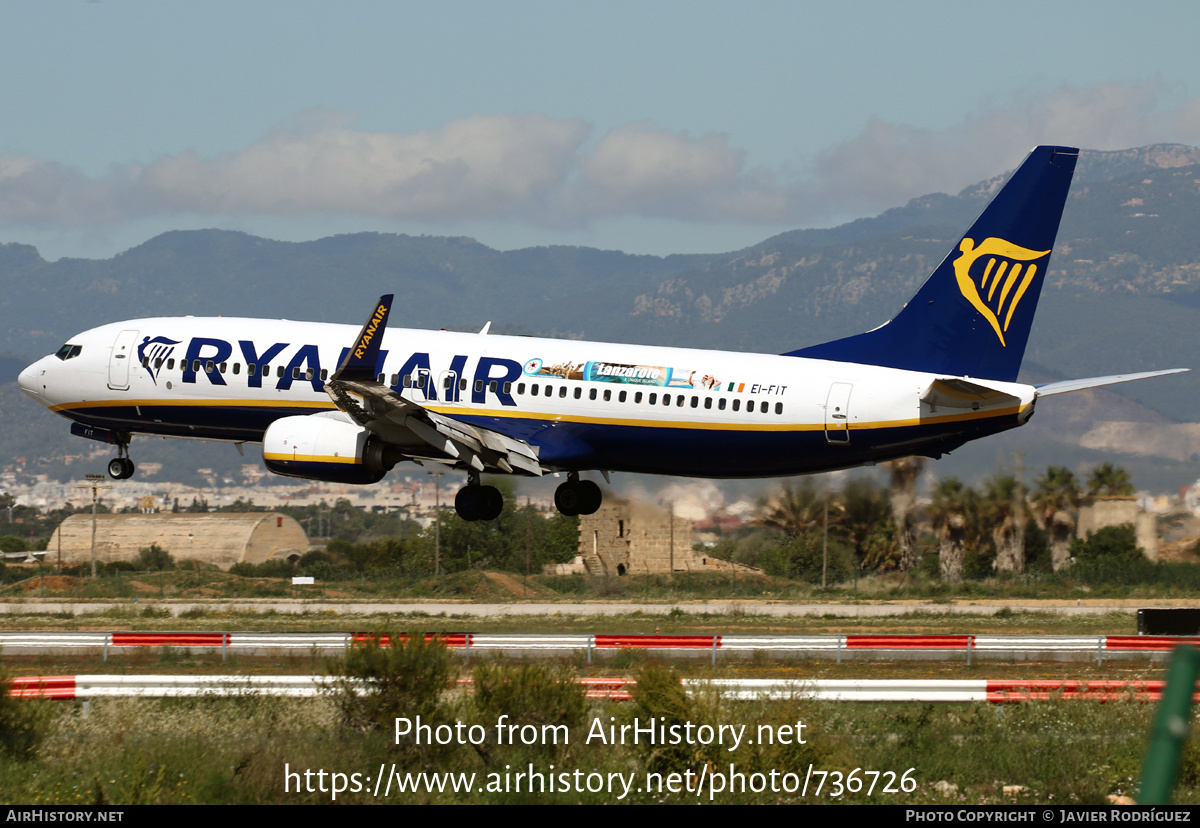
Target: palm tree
<point>794,510</point>
<point>1106,480</point>
<point>1004,508</point>
<point>954,512</point>
<point>1056,503</point>
<point>904,474</point>
<point>865,518</point>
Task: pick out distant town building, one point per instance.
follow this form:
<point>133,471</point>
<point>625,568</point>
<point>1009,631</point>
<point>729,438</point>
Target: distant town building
<point>219,538</point>
<point>624,539</point>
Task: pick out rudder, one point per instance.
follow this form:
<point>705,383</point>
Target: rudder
<point>972,316</point>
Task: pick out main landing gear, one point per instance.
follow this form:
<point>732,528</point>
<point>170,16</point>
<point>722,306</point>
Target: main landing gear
<point>476,502</point>
<point>577,497</point>
<point>121,467</point>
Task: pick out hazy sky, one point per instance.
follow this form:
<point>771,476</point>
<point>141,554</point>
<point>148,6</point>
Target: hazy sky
<point>647,126</point>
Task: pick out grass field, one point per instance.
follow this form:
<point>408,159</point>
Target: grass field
<point>130,751</point>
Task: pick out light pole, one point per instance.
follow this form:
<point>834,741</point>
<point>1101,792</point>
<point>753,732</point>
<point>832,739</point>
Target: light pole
<point>437,522</point>
<point>93,482</point>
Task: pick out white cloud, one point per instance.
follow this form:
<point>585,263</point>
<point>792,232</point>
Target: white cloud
<point>542,170</point>
<point>474,167</point>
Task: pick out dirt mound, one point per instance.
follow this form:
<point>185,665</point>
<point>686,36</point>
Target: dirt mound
<point>512,584</point>
<point>51,582</point>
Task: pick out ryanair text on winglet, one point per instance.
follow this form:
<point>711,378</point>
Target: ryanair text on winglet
<point>370,333</point>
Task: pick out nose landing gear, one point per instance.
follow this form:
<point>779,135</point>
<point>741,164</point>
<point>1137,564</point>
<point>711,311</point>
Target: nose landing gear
<point>121,467</point>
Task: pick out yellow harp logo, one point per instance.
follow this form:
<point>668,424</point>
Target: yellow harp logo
<point>996,287</point>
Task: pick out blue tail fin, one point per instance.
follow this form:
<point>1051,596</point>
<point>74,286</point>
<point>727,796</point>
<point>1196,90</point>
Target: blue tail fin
<point>972,316</point>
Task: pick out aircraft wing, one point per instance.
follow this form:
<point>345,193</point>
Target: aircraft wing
<point>1066,386</point>
<point>356,390</point>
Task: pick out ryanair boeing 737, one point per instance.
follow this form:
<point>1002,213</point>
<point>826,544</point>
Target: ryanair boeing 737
<point>328,405</point>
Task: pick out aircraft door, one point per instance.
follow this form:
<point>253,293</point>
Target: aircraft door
<point>448,386</point>
<point>123,353</point>
<point>837,413</point>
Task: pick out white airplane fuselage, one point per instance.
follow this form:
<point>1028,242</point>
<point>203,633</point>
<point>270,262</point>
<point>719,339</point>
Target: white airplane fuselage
<point>585,405</point>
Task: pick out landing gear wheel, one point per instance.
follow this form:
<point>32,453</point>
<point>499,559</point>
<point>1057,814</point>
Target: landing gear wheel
<point>468,502</point>
<point>566,498</point>
<point>590,497</point>
<point>493,503</point>
<point>120,468</point>
<point>474,502</point>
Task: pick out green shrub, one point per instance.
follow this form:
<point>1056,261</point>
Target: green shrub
<point>403,676</point>
<point>153,558</point>
<point>1110,544</point>
<point>659,696</point>
<point>535,694</point>
<point>23,722</point>
<point>531,693</point>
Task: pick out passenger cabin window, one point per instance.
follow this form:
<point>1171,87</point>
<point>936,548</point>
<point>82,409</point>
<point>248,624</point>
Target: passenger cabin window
<point>508,388</point>
<point>637,396</point>
<point>652,399</point>
<point>478,386</point>
<point>737,404</point>
<point>778,408</point>
<point>592,394</point>
<point>237,368</point>
<point>721,404</point>
<point>170,365</point>
<point>578,392</point>
<point>324,374</point>
<point>607,394</point>
<point>621,397</point>
<point>562,392</point>
<point>708,402</point>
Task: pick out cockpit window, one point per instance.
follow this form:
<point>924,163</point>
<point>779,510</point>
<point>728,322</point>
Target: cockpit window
<point>69,351</point>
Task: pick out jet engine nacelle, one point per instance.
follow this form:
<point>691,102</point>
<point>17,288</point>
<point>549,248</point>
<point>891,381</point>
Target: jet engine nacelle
<point>319,447</point>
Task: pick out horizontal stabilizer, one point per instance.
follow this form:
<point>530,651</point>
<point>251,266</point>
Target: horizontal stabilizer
<point>1067,386</point>
<point>960,393</point>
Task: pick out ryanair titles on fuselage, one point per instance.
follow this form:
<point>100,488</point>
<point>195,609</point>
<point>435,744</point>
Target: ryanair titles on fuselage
<point>304,366</point>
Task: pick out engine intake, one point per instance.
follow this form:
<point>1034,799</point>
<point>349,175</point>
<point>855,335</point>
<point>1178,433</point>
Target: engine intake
<point>318,447</point>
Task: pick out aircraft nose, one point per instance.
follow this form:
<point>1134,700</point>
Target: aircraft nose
<point>30,381</point>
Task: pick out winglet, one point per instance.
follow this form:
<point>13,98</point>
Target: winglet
<point>363,356</point>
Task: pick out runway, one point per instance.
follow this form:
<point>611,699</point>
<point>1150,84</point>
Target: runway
<point>877,609</point>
